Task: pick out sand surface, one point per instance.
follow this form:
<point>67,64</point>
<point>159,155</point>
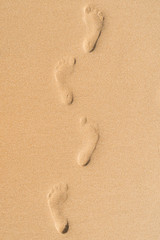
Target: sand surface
<point>117,86</point>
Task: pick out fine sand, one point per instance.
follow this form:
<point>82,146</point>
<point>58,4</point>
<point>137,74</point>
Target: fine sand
<point>80,120</point>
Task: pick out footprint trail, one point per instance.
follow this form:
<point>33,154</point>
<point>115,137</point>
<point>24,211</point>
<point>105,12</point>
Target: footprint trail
<point>57,196</point>
<point>62,71</point>
<point>93,19</point>
<point>90,137</point>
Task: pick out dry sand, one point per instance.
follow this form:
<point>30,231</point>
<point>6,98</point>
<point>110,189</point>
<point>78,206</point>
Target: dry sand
<point>117,86</point>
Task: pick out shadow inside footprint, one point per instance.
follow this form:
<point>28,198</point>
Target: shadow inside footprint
<point>66,228</point>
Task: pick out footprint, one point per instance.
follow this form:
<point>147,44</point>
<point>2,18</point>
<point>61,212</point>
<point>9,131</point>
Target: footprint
<point>56,198</point>
<point>93,19</point>
<point>62,71</point>
<point>90,136</point>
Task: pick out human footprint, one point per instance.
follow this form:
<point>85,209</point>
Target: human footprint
<point>62,71</point>
<point>93,19</point>
<point>57,196</point>
<point>90,136</point>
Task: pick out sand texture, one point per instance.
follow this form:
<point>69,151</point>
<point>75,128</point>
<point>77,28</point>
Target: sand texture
<point>80,120</point>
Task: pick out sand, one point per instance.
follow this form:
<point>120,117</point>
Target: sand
<point>116,87</point>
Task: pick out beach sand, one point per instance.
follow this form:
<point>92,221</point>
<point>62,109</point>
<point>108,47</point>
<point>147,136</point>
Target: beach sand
<point>116,87</point>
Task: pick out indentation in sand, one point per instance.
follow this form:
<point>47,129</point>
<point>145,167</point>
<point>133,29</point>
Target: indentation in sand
<point>62,71</point>
<point>90,136</point>
<point>93,19</point>
<point>57,196</point>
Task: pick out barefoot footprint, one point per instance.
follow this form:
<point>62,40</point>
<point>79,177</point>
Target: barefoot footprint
<point>56,198</point>
<point>93,19</point>
<point>62,71</point>
<point>90,136</point>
